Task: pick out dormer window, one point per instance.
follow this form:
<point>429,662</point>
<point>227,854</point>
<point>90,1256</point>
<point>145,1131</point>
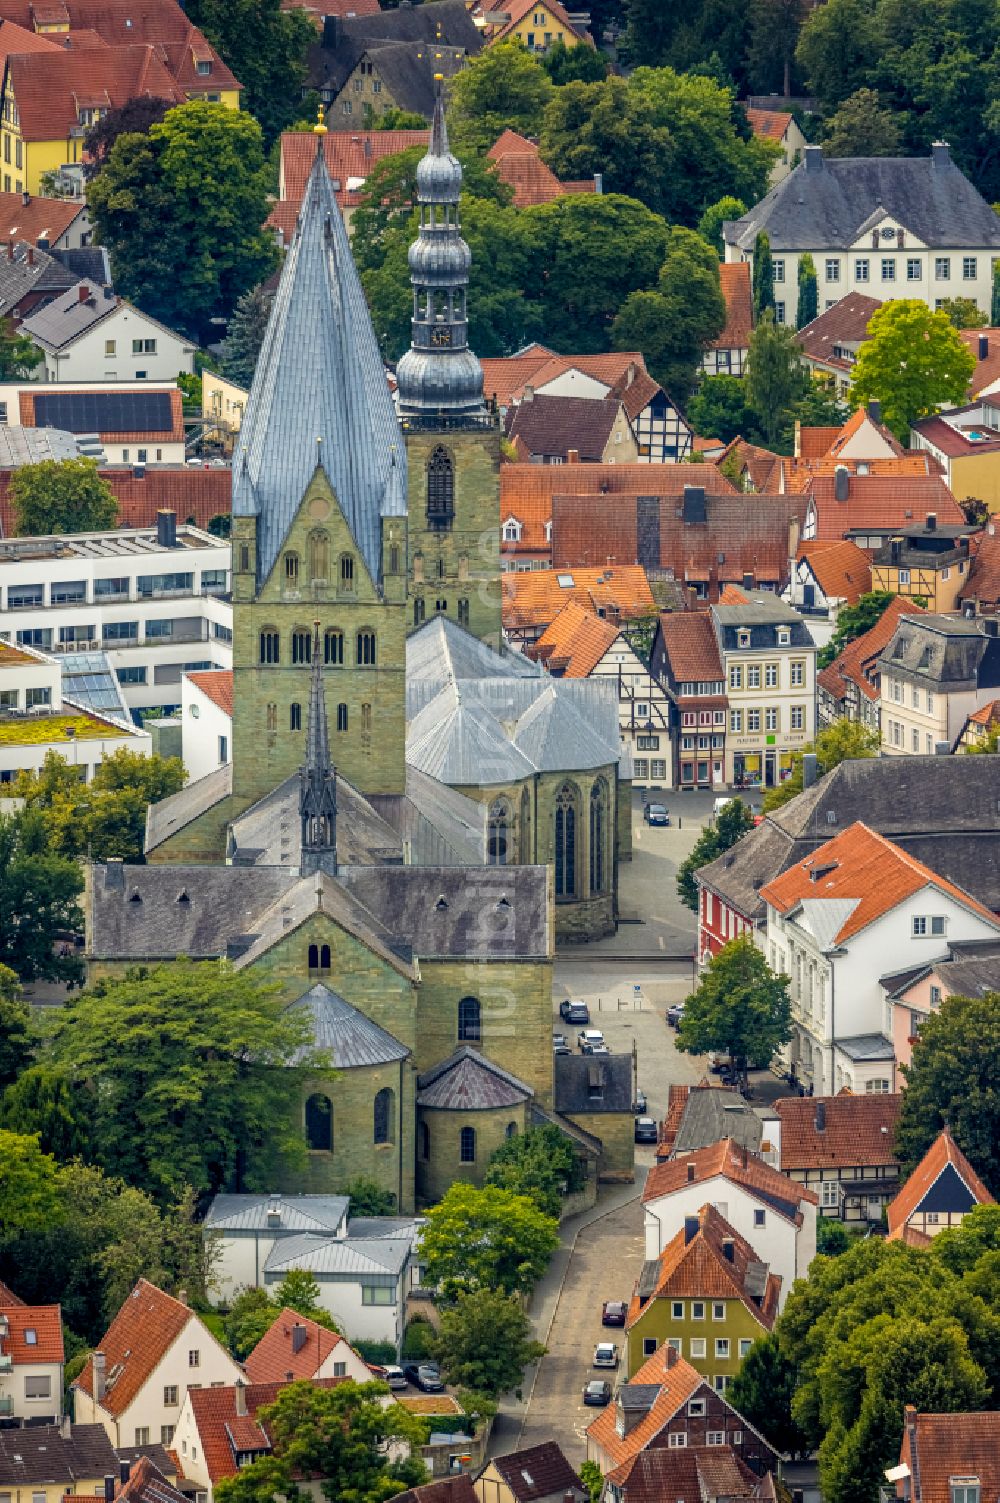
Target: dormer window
<point>784,636</point>
<point>964,1489</point>
<point>548,532</point>
<point>512,530</point>
<point>742,638</point>
<point>203,66</point>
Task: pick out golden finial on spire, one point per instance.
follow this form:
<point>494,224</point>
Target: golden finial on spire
<point>439,77</point>
<point>319,128</point>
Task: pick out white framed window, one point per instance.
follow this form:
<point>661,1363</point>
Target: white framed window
<point>928,924</point>
<point>797,674</point>
<point>913,269</point>
<point>37,1386</point>
<point>677,1440</point>
<point>942,268</point>
<point>862,268</point>
<point>696,1346</point>
<point>676,1344</point>
<point>720,1382</point>
<point>745,1345</point>
<point>698,1309</point>
<point>829,1193</point>
<point>715,1438</point>
<point>779,313</point>
<point>877,1087</point>
<point>718,1309</point>
<point>784,636</point>
<point>888,269</point>
<point>753,676</point>
<point>142,1435</point>
<point>736,721</point>
<point>736,1438</point>
<point>697,1408</point>
<point>753,720</point>
<point>779,270</point>
<point>770,675</point>
<point>170,1396</point>
<point>194,1358</point>
<point>935,996</point>
<point>677,1305</point>
<point>798,717</point>
<point>904,576</point>
<point>736,676</point>
<point>722,1346</point>
<point>969,271</point>
<point>832,270</point>
<point>771,719</point>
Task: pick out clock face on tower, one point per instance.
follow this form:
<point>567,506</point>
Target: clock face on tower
<point>440,337</point>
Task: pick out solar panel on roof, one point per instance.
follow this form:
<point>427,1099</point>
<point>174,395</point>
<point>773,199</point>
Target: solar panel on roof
<point>105,411</point>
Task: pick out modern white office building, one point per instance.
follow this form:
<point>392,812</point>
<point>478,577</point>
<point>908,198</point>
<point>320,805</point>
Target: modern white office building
<point>155,600</point>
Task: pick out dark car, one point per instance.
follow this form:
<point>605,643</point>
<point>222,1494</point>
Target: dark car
<point>424,1375</point>
<point>675,1014</point>
<point>614,1312</point>
<point>574,1012</point>
<point>656,814</point>
<point>640,1104</point>
<point>646,1130</point>
<point>597,1393</point>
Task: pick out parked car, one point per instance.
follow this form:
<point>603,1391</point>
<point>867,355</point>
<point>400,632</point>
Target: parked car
<point>614,1312</point>
<point>640,1104</point>
<point>719,1063</point>
<point>656,814</point>
<point>574,1012</point>
<point>605,1354</point>
<point>561,1048</point>
<point>394,1376</point>
<point>720,804</point>
<point>646,1130</point>
<point>594,1049</point>
<point>424,1375</point>
<point>589,1036</point>
<point>597,1393</point>
<point>675,1013</point>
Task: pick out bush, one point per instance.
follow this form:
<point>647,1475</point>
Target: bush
<point>419,1339</point>
<point>379,1352</point>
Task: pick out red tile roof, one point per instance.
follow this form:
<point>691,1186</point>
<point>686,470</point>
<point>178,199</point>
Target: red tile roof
<point>349,155</point>
<point>536,598</point>
<point>223,1432</point>
<point>516,10</point>
<point>987,370</point>
<point>14,38</point>
<point>274,1359</point>
<point>734,1163</point>
<point>860,864</point>
<point>769,123</point>
<point>39,218</point>
<point>692,647</point>
<point>574,642</point>
<point>697,1267</point>
<point>734,281</point>
<point>520,166</point>
<point>146,1484</point>
<point>846,323</point>
<point>703,1474</point>
<point>940,1447</point>
<point>217,685</point>
<point>550,425</point>
<point>7,1295</point>
<point>761,466</point>
<point>48,86</point>
<point>859,419</point>
<point>506,378</point>
<point>45,1321</point>
<point>942,1152</point>
<point>199,494</point>
<point>858,1131</point>
<point>986,714</point>
<point>841,569</point>
<point>880,502</point>
<point>856,664</point>
<point>143,1331</point>
<point>983,582</point>
<point>677,1382</point>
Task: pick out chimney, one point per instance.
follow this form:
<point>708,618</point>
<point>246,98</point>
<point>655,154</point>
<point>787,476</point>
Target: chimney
<point>10,250</point>
<point>572,456</point>
<point>31,255</point>
<point>991,626</point>
<point>598,182</point>
<point>931,522</point>
<point>100,1383</point>
<point>182,1296</point>
<point>841,483</point>
<point>166,529</point>
<point>820,1116</point>
<point>984,346</point>
<point>83,292</point>
<point>729,1249</point>
<point>26,198</point>
<point>299,1334</point>
<point>124,1471</point>
<point>940,155</point>
<point>669,1356</point>
<point>66,1428</point>
<point>274,1214</point>
<point>813,156</point>
<point>690,1229</point>
<point>241,1399</point>
<point>690,1174</point>
<point>809,769</point>
<point>109,1487</point>
<point>875,411</point>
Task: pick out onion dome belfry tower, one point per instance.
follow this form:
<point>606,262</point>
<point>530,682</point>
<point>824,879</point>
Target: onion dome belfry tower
<point>439,373</point>
<point>452,437</point>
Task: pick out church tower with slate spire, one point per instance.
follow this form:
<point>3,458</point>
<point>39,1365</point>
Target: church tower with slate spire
<point>319,533</point>
<point>452,438</point>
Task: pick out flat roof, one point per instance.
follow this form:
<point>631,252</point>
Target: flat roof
<point>123,543</point>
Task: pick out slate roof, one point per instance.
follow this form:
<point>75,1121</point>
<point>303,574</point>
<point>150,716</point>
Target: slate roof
<point>137,1340</point>
<point>319,395</point>
<point>734,283</point>
<point>871,874</point>
<point>734,1163</point>
<point>552,425</point>
<point>502,912</point>
<point>698,1267</point>
<point>846,323</point>
<point>299,1213</point>
<point>351,1040</point>
<point>468,1081</point>
<point>938,1448</point>
<point>575,1074</point>
<point>943,1155</point>
<point>537,1472</point>
<point>48,85</point>
<point>275,1358</point>
<point>25,269</point>
<point>857,1131</point>
<point>449,28</point>
<point>710,1114</point>
<point>409,69</point>
<point>89,263</point>
<point>574,643</point>
<point>826,203</point>
<point>40,1455</point>
<point>950,652</point>
<point>969,969</point>
<point>339,1255</point>
<point>44,1321</point>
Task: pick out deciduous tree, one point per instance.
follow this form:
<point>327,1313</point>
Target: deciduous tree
<point>568,64</point>
<point>843,741</point>
<point>484,1343</point>
<point>853,621</point>
<point>134,117</point>
<point>45,1101</point>
<point>862,128</point>
<point>30,1196</point>
<point>104,819</point>
<point>503,88</point>
<point>38,908</point>
<point>540,1163</point>
<point>15,1036</point>
<point>486,1239</point>
<point>732,823</point>
<point>61,495</point>
<point>674,325</point>
<point>18,356</point>
<point>711,222</point>
<point>368,1198</point>
<point>610,128</point>
<point>739,1006</point>
<point>774,32</point>
<point>254,1310</point>
<point>912,362</point>
<point>963,312</point>
<point>762,1393</point>
<point>953,1076</point>
<point>837,50</point>
<point>718,408</point>
<point>265,46</point>
<point>775,380</point>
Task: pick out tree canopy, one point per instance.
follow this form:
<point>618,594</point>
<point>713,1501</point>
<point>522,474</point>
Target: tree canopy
<point>38,907</point>
<point>104,819</point>
<point>675,324</point>
<point>853,621</point>
<point>181,211</point>
<point>913,361</point>
<point>541,1163</point>
<point>254,1310</point>
<point>15,1036</point>
<point>953,1077</point>
<point>732,823</point>
<point>484,1343</point>
<point>840,742</point>
<point>245,335</point>
<point>776,381</point>
<point>719,407</point>
<point>739,1006</point>
<point>61,495</point>
<point>18,355</point>
<point>134,117</point>
<point>486,1239</point>
<point>265,46</point>
<point>503,88</point>
<point>861,128</point>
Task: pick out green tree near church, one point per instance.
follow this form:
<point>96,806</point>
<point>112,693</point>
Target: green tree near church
<point>808,292</point>
<point>739,1006</point>
<point>763,275</point>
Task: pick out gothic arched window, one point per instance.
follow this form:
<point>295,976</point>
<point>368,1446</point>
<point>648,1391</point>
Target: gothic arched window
<point>295,717</point>
<point>383,1116</point>
<point>511,1130</point>
<point>598,834</point>
<point>499,832</point>
<point>366,649</point>
<point>469,1021</point>
<point>319,1123</point>
<point>440,489</point>
<point>341,717</point>
<point>302,646</point>
<point>318,555</point>
<point>270,651</point>
<point>566,816</point>
<point>333,648</point>
<point>467,1145</point>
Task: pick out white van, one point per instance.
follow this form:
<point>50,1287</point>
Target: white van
<point>720,803</point>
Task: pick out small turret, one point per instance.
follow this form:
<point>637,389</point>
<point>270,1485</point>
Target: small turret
<point>318,779</point>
